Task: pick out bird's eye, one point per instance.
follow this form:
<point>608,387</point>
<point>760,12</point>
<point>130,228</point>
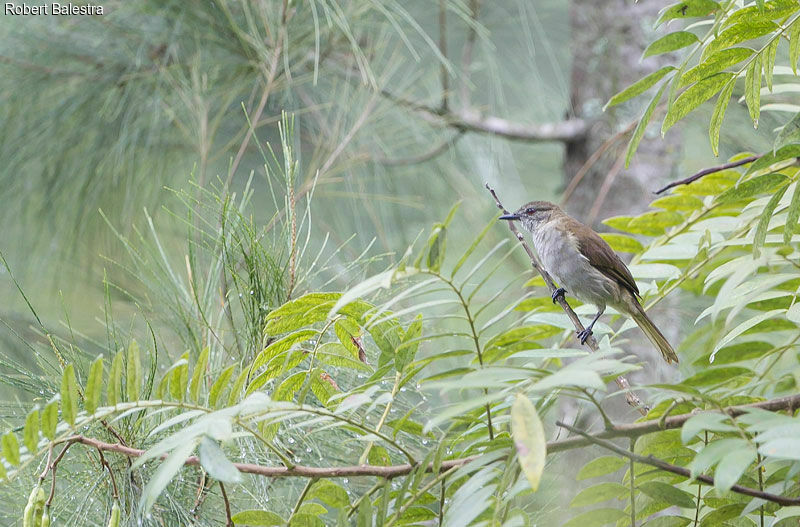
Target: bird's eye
<point>531,210</point>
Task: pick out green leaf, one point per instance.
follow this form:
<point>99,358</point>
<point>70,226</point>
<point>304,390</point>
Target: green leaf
<point>763,222</point>
<point>794,45</point>
<point>94,384</point>
<point>69,395</point>
<point>715,63</point>
<point>597,517</point>
<point>668,521</point>
<point>719,516</point>
<point>771,11</point>
<point>133,375</point>
<point>114,388</point>
<point>752,89</point>
<point>667,493</point>
<point>693,97</point>
<point>732,466</point>
<point>289,386</point>
<point>50,419</point>
<point>219,385</point>
<point>258,518</point>
<point>601,466</point>
<point>179,378</point>
<point>742,351</point>
<point>753,187</point>
<point>742,327</point>
<point>622,243</point>
<point>236,389</point>
<point>349,334</point>
<point>739,32</point>
<point>197,375</point>
<point>705,421</point>
<point>678,202</point>
<point>641,126</point>
<point>30,434</point>
<point>407,350</point>
<point>711,453</point>
<point>282,345</point>
<point>329,493</point>
<point>437,244</point>
<point>792,216</point>
<point>638,87</point>
<point>216,463</point>
<point>768,61</point>
<point>599,493</point>
<point>528,434</point>
<point>670,42</point>
<point>712,376</point>
<point>304,519</point>
<point>10,447</point>
<point>719,115</point>
<point>688,9</point>
<point>790,133</point>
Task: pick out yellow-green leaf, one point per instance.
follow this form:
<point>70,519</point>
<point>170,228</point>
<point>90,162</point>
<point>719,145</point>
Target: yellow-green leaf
<point>641,126</point>
<point>719,114</point>
<point>638,87</point>
<point>134,371</point>
<point>622,243</point>
<point>10,447</point>
<point>752,89</point>
<point>179,379</point>
<point>31,432</point>
<point>219,385</point>
<point>528,434</point>
<point>715,63</point>
<point>94,385</point>
<point>763,222</point>
<point>794,45</point>
<point>197,375</point>
<point>69,394</point>
<point>670,42</point>
<point>257,518</point>
<point>115,380</point>
<point>50,419</point>
<point>688,9</point>
<point>740,32</point>
<point>693,97</point>
<point>678,202</point>
<point>236,389</point>
<point>768,62</point>
<point>792,216</point>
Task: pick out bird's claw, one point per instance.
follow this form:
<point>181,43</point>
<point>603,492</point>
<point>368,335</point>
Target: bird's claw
<point>558,293</point>
<point>584,334</point>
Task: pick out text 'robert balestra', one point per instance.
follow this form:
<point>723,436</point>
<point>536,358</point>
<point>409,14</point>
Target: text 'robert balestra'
<point>53,8</point>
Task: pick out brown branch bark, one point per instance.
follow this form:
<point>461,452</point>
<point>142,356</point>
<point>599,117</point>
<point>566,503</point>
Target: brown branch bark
<point>707,171</point>
<point>623,384</point>
<point>633,430</point>
<point>681,471</point>
<point>470,121</point>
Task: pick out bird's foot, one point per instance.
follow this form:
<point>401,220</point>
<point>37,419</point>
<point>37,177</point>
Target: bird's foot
<point>584,334</point>
<point>558,293</point>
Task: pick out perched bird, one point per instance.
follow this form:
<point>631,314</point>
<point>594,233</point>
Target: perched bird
<point>586,266</point>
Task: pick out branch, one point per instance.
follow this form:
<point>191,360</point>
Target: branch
<point>630,431</point>
<point>591,342</point>
<point>707,171</point>
<point>470,121</point>
<point>681,471</point>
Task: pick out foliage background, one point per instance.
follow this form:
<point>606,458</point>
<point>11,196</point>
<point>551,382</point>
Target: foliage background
<point>173,172</point>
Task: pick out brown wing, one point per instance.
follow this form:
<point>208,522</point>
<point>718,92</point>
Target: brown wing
<point>603,258</point>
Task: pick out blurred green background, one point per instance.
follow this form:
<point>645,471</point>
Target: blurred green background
<point>400,109</point>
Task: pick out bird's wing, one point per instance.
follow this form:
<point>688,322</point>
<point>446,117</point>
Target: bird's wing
<point>603,258</point>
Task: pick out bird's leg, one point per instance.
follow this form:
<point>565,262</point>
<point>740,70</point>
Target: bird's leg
<point>558,293</point>
<point>583,335</point>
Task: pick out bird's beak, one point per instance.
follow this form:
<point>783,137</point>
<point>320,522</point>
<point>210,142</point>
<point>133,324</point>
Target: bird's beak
<point>509,217</point>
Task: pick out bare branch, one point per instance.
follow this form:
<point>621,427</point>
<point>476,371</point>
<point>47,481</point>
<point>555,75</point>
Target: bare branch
<point>707,171</point>
<point>470,121</point>
<point>681,471</point>
<point>591,342</point>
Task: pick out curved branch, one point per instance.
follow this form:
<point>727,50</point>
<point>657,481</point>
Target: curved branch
<point>681,471</point>
<point>707,171</point>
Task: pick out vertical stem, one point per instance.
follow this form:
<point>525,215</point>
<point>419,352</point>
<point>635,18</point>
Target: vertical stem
<point>228,517</point>
<point>441,503</point>
<point>363,459</point>
<point>443,49</point>
<point>760,487</point>
<point>699,490</point>
<point>633,488</point>
<point>302,497</point>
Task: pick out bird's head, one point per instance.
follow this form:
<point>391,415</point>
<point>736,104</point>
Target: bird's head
<point>534,214</point>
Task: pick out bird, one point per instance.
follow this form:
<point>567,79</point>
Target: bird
<point>587,267</point>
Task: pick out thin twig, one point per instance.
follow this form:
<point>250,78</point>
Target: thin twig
<point>675,469</point>
<point>707,171</point>
<point>466,55</point>
<point>228,517</point>
<point>623,384</point>
<point>391,471</point>
<point>52,467</point>
<point>443,51</point>
<point>110,473</point>
<point>605,187</point>
<point>425,156</point>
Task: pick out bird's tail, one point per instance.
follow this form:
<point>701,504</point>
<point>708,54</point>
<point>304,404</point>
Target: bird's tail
<point>652,333</point>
